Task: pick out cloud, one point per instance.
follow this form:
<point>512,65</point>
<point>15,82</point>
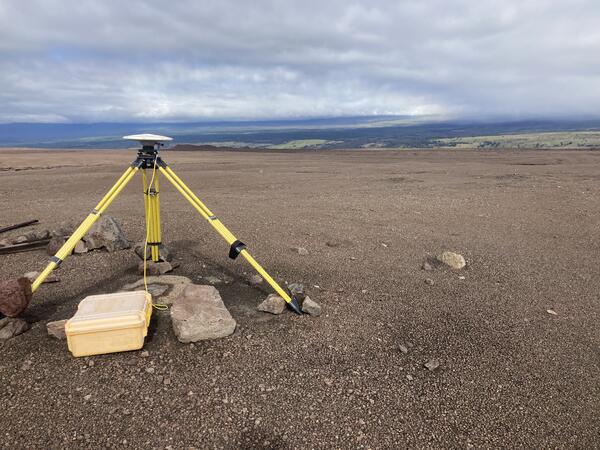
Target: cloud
<point>73,61</point>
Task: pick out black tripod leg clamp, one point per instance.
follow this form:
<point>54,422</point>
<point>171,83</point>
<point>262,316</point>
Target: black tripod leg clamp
<point>236,248</point>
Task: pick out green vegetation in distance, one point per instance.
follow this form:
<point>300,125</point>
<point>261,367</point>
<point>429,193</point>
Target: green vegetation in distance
<point>566,139</point>
<point>303,143</point>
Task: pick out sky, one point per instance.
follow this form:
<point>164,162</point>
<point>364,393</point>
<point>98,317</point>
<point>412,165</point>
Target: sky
<point>158,60</point>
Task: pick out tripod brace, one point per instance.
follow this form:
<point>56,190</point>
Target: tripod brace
<point>148,159</point>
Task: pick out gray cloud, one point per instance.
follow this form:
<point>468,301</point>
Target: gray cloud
<point>64,60</point>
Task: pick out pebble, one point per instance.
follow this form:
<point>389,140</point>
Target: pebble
<point>429,281</point>
<point>451,259</point>
<point>87,397</point>
<point>432,364</point>
<point>311,307</point>
<point>145,354</point>
<point>149,369</point>
<point>403,348</point>
<point>273,304</point>
<point>426,266</point>
<point>552,312</point>
<point>409,377</point>
<point>255,280</point>
<point>300,250</point>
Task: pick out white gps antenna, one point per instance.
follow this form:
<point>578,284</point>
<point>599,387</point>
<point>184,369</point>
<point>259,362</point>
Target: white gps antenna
<point>150,142</point>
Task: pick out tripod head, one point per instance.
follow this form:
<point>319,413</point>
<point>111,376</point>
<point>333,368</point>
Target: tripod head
<point>151,143</point>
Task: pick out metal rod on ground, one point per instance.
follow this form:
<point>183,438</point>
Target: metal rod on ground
<point>18,225</point>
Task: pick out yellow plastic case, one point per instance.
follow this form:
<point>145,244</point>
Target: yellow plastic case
<point>109,323</point>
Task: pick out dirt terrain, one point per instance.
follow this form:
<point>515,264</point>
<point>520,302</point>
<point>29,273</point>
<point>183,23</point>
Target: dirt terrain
<point>510,375</point>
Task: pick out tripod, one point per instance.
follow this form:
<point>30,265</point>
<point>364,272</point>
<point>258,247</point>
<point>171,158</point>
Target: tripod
<point>148,158</point>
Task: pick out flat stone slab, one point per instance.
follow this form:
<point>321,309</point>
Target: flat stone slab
<point>200,314</point>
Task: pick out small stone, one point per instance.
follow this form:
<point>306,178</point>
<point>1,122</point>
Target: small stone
<point>273,304</point>
<point>432,364</point>
<point>384,245</point>
<point>328,381</point>
<point>87,397</point>
<point>150,370</point>
<point>409,377</point>
<point>63,230</point>
<point>213,279</point>
<point>255,280</point>
<point>429,281</point>
<point>26,364</point>
<point>106,233</point>
<point>462,277</point>
<point>297,290</point>
<point>11,327</point>
<point>426,266</point>
<point>300,250</point>
<point>164,252</point>
<point>155,268</point>
<point>403,348</point>
<point>552,312</point>
<point>167,381</point>
<point>145,354</point>
<point>311,307</point>
<point>19,240</point>
<point>452,259</point>
<point>55,244</point>
<point>56,329</point>
<point>51,278</point>
<point>80,247</point>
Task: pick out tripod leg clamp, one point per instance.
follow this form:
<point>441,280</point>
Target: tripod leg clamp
<point>236,248</point>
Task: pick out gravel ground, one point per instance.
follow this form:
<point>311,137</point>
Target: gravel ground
<point>510,374</point>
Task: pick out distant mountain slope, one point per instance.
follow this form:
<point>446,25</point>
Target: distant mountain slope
<point>347,132</point>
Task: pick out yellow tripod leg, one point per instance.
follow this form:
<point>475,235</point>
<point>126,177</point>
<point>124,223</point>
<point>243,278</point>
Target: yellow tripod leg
<point>149,215</point>
<point>226,234</point>
<point>157,227</point>
<point>85,226</point>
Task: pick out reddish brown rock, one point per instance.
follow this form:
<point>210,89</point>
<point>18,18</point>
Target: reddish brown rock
<point>15,295</point>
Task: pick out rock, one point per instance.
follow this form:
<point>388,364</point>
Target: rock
<point>255,279</point>
<point>64,229</point>
<point>212,279</point>
<point>164,252</point>
<point>429,281</point>
<point>166,287</point>
<point>426,266</point>
<point>5,242</point>
<point>311,307</point>
<point>200,314</point>
<point>56,329</point>
<point>80,247</point>
<point>409,377</point>
<point>273,304</point>
<point>432,364</point>
<point>26,364</point>
<point>37,235</point>
<point>552,312</point>
<point>19,240</point>
<point>150,370</point>
<point>56,242</point>
<point>297,290</point>
<point>15,295</point>
<point>52,278</point>
<point>11,327</point>
<point>155,268</point>
<point>145,354</point>
<point>452,259</point>
<point>300,250</point>
<point>106,233</point>
<point>403,349</point>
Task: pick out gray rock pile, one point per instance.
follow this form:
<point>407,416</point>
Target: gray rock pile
<point>104,234</point>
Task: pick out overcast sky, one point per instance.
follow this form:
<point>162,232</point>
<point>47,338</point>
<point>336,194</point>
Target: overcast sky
<point>104,60</point>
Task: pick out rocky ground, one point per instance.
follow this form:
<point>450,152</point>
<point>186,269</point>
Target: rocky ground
<point>501,353</point>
